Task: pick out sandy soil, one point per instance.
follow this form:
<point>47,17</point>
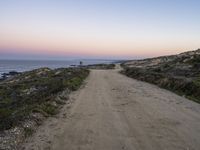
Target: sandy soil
<point>114,112</point>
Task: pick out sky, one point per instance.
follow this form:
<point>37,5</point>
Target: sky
<point>104,29</point>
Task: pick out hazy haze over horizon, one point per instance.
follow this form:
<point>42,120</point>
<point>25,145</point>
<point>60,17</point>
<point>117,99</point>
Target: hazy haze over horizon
<point>97,29</point>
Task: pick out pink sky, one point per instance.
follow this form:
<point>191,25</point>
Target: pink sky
<point>91,47</point>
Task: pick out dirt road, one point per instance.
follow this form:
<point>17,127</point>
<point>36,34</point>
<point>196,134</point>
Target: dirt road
<point>114,112</point>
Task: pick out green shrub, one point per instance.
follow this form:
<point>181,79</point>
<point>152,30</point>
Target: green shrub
<point>5,118</point>
<point>49,108</point>
<point>73,83</point>
<point>28,131</point>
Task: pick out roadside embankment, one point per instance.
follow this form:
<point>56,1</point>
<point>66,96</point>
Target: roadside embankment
<point>28,98</point>
<point>178,73</point>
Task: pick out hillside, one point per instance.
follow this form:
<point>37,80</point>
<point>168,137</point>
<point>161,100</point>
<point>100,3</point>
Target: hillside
<point>26,99</point>
<point>179,73</point>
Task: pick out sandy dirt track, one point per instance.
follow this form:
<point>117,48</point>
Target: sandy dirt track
<point>114,112</point>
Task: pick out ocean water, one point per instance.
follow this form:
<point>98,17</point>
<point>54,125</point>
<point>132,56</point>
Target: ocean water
<point>26,65</point>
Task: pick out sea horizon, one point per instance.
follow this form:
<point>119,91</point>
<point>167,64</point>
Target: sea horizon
<point>8,65</point>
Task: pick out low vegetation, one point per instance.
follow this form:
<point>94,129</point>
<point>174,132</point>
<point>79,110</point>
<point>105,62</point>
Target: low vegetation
<point>35,91</point>
<point>101,66</point>
<point>178,73</point>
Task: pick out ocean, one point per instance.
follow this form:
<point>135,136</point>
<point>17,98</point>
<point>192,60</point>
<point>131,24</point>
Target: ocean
<point>26,65</point>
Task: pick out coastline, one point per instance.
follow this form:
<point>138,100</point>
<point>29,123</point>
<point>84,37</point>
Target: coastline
<point>7,66</point>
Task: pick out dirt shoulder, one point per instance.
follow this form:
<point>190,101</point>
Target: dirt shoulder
<point>114,112</point>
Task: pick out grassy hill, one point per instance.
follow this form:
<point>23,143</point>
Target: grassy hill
<point>35,91</point>
<point>179,73</point>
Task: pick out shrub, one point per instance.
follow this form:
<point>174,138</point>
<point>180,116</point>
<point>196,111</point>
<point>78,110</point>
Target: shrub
<point>35,91</point>
<point>49,108</point>
<point>181,85</point>
<point>28,131</point>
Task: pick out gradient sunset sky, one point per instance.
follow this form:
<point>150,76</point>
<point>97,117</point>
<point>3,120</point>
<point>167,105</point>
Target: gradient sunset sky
<point>110,29</point>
